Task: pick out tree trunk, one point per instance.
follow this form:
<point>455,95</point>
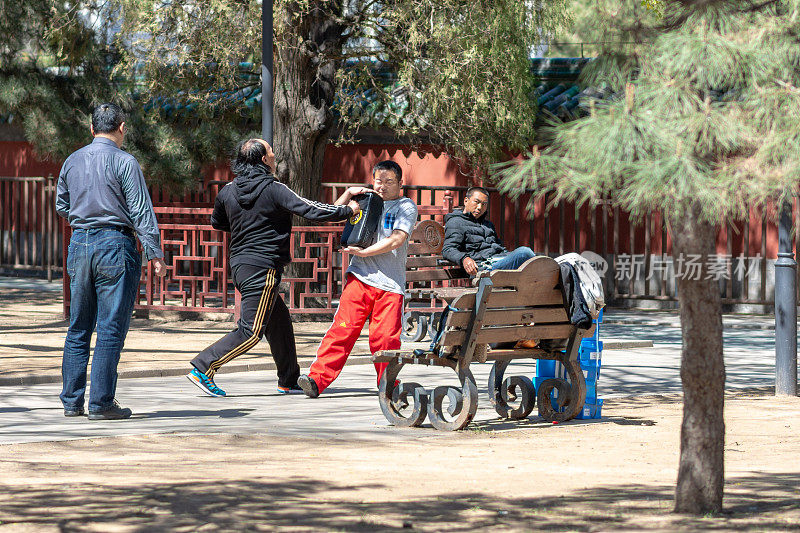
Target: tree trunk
<point>701,467</point>
<point>304,94</point>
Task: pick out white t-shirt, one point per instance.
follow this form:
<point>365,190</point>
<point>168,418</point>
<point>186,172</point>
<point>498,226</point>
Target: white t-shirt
<point>387,271</point>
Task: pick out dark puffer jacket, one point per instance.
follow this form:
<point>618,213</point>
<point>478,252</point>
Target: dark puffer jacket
<point>466,236</point>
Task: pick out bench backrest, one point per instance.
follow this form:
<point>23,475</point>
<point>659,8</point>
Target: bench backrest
<point>522,304</point>
<point>425,266</point>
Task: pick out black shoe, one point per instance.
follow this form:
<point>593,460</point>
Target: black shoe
<point>115,412</point>
<point>308,385</point>
<point>78,411</point>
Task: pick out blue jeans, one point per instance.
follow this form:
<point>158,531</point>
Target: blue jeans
<point>512,260</point>
<point>104,269</point>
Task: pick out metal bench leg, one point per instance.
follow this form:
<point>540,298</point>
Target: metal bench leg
<point>503,391</point>
<point>394,401</point>
<point>463,404</point>
<point>410,332</point>
<point>570,396</point>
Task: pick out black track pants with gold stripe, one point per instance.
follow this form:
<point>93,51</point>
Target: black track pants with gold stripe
<point>263,314</point>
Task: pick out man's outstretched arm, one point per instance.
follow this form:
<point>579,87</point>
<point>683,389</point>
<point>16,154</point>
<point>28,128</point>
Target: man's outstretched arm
<point>317,211</point>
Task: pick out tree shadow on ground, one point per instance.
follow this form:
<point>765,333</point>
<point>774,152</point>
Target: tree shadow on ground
<point>337,393</point>
<point>40,329</point>
<point>14,409</point>
<point>764,501</point>
<point>535,421</point>
<point>190,413</point>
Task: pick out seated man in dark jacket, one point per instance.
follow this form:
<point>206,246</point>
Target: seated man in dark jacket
<point>471,241</point>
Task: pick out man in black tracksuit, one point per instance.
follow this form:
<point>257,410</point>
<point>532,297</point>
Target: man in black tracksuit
<point>257,210</point>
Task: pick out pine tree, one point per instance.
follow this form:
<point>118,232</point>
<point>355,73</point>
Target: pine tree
<point>57,61</point>
<point>705,126</point>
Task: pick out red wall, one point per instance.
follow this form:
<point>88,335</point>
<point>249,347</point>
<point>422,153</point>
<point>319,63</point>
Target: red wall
<point>352,163</point>
<point>18,159</point>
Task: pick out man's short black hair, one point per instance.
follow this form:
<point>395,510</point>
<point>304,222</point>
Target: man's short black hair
<point>391,166</point>
<point>479,189</point>
<point>248,154</point>
<point>107,117</point>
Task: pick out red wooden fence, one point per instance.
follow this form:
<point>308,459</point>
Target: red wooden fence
<point>638,254</point>
<point>29,229</point>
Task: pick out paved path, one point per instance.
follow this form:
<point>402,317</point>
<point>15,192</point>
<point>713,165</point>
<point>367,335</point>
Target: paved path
<point>347,410</point>
<point>31,336</point>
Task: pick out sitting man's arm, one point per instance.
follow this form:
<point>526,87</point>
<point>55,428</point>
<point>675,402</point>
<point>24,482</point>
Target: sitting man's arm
<point>387,244</point>
<point>454,249</point>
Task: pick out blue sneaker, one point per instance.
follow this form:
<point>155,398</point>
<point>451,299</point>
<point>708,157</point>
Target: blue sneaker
<point>204,383</point>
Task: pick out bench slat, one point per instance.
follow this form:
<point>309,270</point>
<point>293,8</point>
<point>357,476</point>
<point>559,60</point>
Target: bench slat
<point>509,334</point>
<point>438,274</point>
<point>519,353</point>
<point>539,270</point>
<point>451,293</point>
<point>423,261</point>
<point>534,294</point>
<point>503,317</point>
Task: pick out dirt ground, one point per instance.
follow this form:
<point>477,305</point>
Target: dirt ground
<point>617,473</point>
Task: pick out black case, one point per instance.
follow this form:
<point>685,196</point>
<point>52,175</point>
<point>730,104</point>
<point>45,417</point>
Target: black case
<point>360,229</point>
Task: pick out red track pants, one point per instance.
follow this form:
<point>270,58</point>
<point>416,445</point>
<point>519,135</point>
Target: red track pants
<point>359,302</point>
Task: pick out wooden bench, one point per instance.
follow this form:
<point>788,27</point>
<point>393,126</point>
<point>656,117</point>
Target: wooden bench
<point>506,306</point>
<point>428,277</point>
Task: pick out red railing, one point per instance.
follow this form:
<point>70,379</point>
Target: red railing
<point>198,277</point>
<point>197,265</point>
<point>29,229</point>
<point>198,274</point>
<point>638,255</point>
<point>316,291</point>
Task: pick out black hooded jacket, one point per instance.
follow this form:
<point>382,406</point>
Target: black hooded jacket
<point>467,236</point>
<point>257,210</point>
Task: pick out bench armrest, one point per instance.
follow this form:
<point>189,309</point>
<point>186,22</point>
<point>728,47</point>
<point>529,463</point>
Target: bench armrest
<point>448,294</point>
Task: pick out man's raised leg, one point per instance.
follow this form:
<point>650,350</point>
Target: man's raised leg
<point>514,259</point>
<point>355,307</point>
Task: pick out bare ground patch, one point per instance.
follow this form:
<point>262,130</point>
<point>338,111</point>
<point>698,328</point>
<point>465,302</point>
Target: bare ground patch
<point>614,474</point>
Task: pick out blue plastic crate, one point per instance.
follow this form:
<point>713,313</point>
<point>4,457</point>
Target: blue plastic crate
<point>591,410</point>
<point>590,359</point>
<point>590,350</point>
<point>545,368</point>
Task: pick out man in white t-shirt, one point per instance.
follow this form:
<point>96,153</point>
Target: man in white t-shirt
<point>376,280</point>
